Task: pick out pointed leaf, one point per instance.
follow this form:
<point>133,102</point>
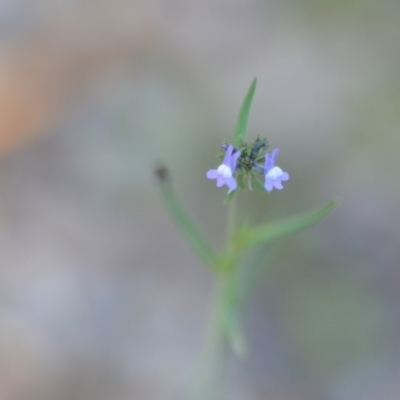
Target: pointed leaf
<point>243,118</point>
<point>273,231</point>
<point>189,230</point>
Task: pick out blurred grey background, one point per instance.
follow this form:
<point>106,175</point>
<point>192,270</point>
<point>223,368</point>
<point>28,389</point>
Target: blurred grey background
<point>99,296</point>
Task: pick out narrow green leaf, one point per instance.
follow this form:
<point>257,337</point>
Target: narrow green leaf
<point>188,229</point>
<point>273,231</point>
<point>243,118</point>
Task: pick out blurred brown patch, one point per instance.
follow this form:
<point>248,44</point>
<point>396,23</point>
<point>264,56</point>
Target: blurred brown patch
<point>32,84</point>
<point>37,73</point>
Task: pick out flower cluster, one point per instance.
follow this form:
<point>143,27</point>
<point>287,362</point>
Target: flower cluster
<point>224,173</point>
<point>246,164</point>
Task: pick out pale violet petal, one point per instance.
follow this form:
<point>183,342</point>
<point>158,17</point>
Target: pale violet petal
<point>274,155</point>
<point>278,184</point>
<point>231,183</point>
<point>220,181</point>
<point>234,160</point>
<point>284,176</point>
<point>224,170</point>
<point>267,163</point>
<point>268,185</point>
<point>212,174</point>
<point>228,155</point>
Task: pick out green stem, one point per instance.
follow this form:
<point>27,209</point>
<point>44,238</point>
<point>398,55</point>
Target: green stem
<point>214,363</point>
<point>231,223</point>
<point>215,357</point>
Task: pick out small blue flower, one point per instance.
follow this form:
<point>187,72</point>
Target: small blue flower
<point>224,173</point>
<point>274,176</point>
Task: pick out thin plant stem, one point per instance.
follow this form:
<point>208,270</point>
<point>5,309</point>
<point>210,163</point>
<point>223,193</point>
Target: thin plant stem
<point>214,362</point>
<point>212,378</point>
<point>231,223</point>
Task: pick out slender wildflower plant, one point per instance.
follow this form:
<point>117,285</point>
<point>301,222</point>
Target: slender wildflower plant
<point>243,165</point>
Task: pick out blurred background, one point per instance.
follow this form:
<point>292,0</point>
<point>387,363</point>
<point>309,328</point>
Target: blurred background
<point>100,298</point>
